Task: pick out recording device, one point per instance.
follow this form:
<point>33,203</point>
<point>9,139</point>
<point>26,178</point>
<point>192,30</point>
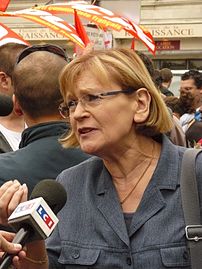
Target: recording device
<point>35,219</point>
<point>6,105</point>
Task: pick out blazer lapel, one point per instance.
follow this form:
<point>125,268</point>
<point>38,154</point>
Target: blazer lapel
<point>108,204</point>
<point>151,203</point>
<point>165,177</point>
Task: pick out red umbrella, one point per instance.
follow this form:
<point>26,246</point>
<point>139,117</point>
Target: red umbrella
<point>4,4</point>
<point>46,19</point>
<point>8,36</point>
<point>102,17</point>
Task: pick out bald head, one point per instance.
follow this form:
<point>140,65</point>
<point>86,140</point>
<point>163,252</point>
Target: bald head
<point>36,85</point>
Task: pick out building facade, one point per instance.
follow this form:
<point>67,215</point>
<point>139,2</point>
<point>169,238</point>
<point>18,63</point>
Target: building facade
<point>176,26</point>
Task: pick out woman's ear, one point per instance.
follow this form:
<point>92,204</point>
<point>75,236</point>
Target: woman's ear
<point>17,107</point>
<point>142,105</point>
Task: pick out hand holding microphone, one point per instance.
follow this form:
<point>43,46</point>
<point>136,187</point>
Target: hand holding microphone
<point>6,245</point>
<point>35,219</point>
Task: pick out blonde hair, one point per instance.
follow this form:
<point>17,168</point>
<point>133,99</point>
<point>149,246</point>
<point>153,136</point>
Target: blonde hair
<point>124,67</point>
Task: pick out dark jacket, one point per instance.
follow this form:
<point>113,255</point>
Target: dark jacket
<point>40,155</point>
<point>165,91</point>
<point>4,145</point>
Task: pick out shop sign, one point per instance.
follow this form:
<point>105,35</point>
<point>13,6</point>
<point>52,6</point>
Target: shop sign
<point>167,31</point>
<point>172,31</point>
<point>42,34</point>
<point>167,45</point>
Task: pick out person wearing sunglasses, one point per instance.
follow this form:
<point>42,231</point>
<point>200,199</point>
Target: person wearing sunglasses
<point>123,207</point>
<point>36,97</point>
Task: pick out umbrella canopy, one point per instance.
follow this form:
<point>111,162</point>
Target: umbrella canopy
<point>103,18</point>
<point>46,19</point>
<point>9,36</point>
<point>45,15</point>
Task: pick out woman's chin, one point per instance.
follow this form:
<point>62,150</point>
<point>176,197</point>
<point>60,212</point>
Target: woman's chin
<point>92,150</point>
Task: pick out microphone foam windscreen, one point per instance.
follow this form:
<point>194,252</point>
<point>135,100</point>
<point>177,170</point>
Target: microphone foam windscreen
<point>6,105</point>
<point>52,192</point>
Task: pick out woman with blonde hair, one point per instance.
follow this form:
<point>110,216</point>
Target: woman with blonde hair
<point>124,206</point>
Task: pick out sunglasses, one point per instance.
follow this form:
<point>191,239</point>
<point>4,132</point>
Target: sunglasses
<point>48,47</point>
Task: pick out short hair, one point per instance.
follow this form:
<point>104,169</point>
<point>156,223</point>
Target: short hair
<point>194,133</point>
<point>154,73</point>
<point>157,78</point>
<point>124,67</point>
<point>175,104</point>
<point>195,75</point>
<point>166,75</point>
<point>36,84</point>
<point>8,55</point>
<point>147,61</point>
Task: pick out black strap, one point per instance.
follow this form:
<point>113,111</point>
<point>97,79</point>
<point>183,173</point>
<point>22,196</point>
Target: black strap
<point>191,207</point>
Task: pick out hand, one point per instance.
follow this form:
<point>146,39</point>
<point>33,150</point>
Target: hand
<point>12,193</point>
<point>11,248</point>
<point>6,245</point>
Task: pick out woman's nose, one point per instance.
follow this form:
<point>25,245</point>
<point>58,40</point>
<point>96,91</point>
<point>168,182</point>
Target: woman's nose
<point>79,111</point>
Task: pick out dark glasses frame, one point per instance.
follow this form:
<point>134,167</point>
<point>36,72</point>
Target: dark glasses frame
<point>64,109</point>
<point>47,47</point>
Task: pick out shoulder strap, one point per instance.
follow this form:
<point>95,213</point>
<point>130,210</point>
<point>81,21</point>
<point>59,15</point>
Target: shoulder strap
<point>191,207</point>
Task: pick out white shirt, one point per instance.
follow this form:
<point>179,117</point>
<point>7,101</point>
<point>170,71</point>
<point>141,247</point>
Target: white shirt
<point>12,137</point>
<point>185,119</point>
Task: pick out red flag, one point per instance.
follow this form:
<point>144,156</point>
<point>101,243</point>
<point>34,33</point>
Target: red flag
<point>4,5</point>
<point>80,29</point>
<point>133,44</point>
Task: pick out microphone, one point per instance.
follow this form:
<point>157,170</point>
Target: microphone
<point>6,105</point>
<point>35,219</point>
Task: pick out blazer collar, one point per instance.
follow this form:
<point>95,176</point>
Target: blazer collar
<point>166,176</point>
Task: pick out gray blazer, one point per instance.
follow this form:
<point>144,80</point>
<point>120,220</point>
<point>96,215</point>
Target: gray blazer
<point>92,233</point>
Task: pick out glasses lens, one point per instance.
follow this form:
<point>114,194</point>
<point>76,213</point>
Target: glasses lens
<point>64,110</point>
<point>50,48</point>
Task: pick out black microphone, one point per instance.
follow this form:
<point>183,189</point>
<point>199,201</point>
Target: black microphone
<point>6,105</point>
<point>35,219</point>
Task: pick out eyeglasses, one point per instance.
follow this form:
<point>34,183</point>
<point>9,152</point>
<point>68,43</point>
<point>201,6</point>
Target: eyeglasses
<point>48,47</point>
<point>89,100</point>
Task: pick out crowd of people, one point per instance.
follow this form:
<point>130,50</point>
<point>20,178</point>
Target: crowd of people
<point>106,127</point>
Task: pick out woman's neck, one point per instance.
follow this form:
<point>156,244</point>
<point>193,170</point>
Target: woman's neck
<point>125,166</point>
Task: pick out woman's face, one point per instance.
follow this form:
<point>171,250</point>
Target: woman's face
<point>109,124</point>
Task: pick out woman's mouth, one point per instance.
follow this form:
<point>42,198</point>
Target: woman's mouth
<point>85,130</point>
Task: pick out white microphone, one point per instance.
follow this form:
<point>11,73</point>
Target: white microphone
<point>35,219</point>
<point>38,215</point>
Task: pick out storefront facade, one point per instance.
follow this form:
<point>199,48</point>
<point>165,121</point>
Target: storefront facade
<point>176,26</point>
<point>177,30</point>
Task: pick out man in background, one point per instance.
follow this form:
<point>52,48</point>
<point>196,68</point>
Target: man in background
<point>166,77</point>
<point>191,87</point>
<point>11,126</point>
<point>37,97</point>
